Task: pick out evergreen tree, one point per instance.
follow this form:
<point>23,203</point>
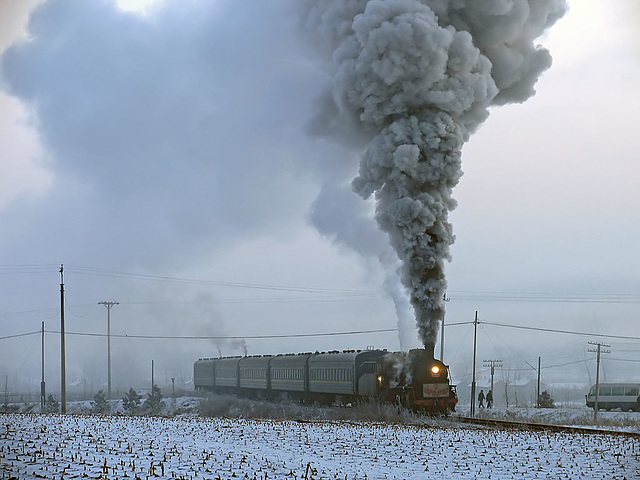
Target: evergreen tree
<point>154,399</point>
<point>51,405</point>
<point>99,404</point>
<point>131,401</point>
<point>545,400</point>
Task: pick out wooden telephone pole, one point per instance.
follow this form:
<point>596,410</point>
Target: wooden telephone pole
<point>109,305</point>
<point>598,351</point>
<point>63,375</point>
<point>473,381</point>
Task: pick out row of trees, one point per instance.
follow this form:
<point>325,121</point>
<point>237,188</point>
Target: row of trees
<point>131,403</point>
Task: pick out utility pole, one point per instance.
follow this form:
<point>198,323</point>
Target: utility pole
<point>598,352</point>
<point>473,381</point>
<point>109,305</point>
<point>492,364</point>
<point>63,374</point>
<point>538,387</point>
<point>152,377</point>
<point>42,387</point>
<point>444,299</point>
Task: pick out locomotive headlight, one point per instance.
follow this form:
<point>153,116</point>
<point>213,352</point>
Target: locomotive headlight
<point>379,378</point>
<point>435,370</point>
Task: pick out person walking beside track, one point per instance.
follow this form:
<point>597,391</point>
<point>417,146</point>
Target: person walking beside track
<point>481,399</point>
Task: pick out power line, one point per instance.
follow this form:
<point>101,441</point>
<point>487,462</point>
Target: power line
<point>465,296</point>
<point>19,269</point>
<point>546,297</point>
<point>19,335</point>
<point>209,337</point>
<point>355,332</point>
<point>165,278</point>
<point>567,332</point>
<point>229,337</point>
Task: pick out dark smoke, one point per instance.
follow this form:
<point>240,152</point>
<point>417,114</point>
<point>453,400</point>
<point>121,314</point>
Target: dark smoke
<point>412,80</point>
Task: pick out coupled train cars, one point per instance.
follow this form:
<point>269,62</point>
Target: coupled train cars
<point>414,379</point>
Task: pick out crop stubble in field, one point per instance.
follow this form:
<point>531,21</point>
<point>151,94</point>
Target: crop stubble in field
<point>82,446</point>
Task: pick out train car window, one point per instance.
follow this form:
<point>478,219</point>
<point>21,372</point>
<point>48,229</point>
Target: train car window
<point>605,391</point>
<point>617,391</point>
<point>631,391</point>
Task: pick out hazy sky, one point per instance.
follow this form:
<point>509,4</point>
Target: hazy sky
<point>164,157</point>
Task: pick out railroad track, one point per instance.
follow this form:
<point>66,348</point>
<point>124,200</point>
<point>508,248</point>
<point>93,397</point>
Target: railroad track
<point>522,425</point>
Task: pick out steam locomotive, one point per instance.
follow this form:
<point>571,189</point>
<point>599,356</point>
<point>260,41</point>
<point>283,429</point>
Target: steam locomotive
<point>414,379</point>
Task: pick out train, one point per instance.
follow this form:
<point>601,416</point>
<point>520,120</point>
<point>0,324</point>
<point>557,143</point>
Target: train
<point>414,379</point>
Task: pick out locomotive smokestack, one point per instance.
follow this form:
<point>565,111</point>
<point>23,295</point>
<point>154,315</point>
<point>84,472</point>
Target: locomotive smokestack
<point>429,348</point>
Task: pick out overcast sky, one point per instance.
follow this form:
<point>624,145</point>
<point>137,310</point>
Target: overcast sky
<point>164,157</point>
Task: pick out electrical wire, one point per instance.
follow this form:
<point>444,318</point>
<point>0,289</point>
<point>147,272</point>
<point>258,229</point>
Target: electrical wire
<point>20,335</point>
<point>566,332</point>
<point>225,337</point>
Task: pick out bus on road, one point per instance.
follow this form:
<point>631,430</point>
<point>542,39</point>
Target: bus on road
<point>625,396</point>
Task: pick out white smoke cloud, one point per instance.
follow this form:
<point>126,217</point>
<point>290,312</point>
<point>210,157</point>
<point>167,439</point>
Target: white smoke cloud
<point>340,215</point>
<point>416,79</point>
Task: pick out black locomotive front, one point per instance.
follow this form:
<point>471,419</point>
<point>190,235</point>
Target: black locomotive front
<point>417,380</point>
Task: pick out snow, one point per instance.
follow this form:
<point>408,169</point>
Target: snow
<point>188,446</point>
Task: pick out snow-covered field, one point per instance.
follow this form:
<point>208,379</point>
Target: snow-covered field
<point>34,446</point>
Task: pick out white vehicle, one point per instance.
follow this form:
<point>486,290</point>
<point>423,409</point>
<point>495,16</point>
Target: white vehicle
<point>625,396</point>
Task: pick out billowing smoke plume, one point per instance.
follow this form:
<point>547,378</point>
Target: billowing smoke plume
<point>355,229</point>
<point>411,81</point>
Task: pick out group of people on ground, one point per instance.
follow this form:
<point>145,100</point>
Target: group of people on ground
<point>489,398</point>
